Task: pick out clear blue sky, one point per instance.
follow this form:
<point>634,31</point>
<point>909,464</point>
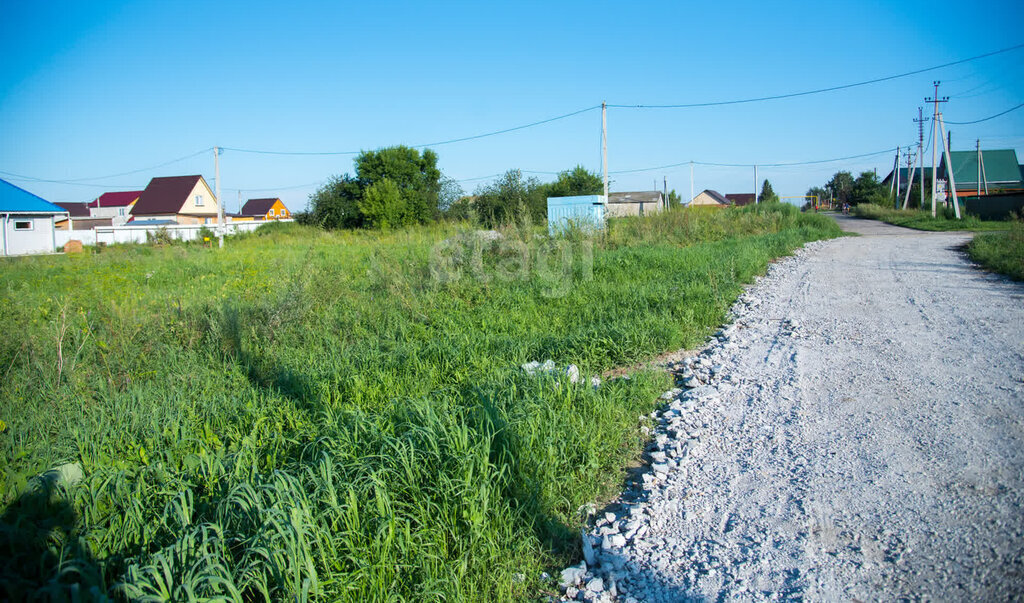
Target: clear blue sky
<point>101,88</point>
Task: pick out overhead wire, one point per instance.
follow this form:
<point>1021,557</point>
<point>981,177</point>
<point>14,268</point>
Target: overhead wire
<point>79,181</point>
<point>978,121</point>
<point>821,90</point>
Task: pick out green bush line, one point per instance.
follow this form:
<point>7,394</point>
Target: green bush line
<point>1001,252</point>
<point>316,415</point>
<point>923,220</point>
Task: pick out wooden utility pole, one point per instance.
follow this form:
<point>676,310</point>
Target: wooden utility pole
<point>935,100</point>
<point>604,147</point>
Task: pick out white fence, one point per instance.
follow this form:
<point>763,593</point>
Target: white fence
<point>109,235</point>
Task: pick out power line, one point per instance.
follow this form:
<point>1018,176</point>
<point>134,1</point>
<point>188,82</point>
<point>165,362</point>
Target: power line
<point>750,165</point>
<point>79,181</point>
<point>978,121</point>
<point>820,90</point>
<point>420,146</point>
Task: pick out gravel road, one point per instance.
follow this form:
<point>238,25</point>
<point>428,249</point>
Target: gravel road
<point>856,434</point>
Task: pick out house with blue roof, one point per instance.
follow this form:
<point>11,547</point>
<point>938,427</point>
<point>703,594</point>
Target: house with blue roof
<point>27,222</point>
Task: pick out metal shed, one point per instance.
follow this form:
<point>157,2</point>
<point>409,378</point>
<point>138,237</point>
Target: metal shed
<point>585,211</point>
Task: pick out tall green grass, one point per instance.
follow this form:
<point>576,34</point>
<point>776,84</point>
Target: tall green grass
<point>923,220</point>
<point>1002,252</point>
<point>316,415</point>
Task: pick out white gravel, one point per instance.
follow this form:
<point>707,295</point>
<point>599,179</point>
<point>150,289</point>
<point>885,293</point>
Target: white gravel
<point>856,434</point>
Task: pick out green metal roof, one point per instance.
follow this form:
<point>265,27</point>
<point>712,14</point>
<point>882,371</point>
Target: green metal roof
<point>1001,167</point>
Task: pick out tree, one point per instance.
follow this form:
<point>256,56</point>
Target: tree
<point>413,195</point>
<point>816,191</point>
<point>577,181</point>
<point>511,199</point>
<point>383,205</point>
<point>334,205</point>
<point>415,175</point>
<point>840,187</point>
<point>767,194</point>
<point>867,189</point>
<point>674,200</point>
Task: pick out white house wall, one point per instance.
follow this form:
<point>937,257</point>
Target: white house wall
<point>40,239</point>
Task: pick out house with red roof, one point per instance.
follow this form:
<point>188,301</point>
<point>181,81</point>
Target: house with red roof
<point>116,205</point>
<point>176,200</point>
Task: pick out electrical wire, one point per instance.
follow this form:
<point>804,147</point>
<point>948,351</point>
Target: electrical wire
<point>420,146</point>
<point>978,121</point>
<point>820,90</point>
<point>750,165</point>
<point>80,181</point>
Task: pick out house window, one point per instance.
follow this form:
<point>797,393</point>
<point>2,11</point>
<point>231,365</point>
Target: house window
<point>120,211</point>
<point>271,212</point>
<point>23,225</point>
<point>199,200</point>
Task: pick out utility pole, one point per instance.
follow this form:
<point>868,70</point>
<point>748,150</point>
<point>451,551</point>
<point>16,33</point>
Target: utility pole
<point>220,205</point>
<point>920,152</point>
<point>664,194</point>
<point>894,183</point>
<point>981,160</point>
<point>949,168</point>
<point>977,191</point>
<point>691,181</point>
<point>935,100</point>
<point>910,177</point>
<point>604,147</point>
<point>755,185</point>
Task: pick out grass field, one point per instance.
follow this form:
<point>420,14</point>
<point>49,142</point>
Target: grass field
<point>923,220</point>
<point>1001,252</point>
<point>310,415</point>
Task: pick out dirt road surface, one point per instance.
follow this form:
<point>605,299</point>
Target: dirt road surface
<point>857,434</point>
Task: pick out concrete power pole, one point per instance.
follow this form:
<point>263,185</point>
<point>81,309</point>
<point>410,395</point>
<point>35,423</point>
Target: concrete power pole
<point>220,205</point>
<point>935,100</point>
<point>920,152</point>
<point>977,188</point>
<point>910,177</point>
<point>691,181</point>
<point>949,168</point>
<point>604,147</point>
<point>755,185</point>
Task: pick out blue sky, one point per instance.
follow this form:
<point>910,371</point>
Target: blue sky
<point>89,90</point>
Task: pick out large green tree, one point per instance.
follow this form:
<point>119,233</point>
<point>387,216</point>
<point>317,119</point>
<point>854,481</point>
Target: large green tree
<point>841,187</point>
<point>403,185</point>
<point>868,189</point>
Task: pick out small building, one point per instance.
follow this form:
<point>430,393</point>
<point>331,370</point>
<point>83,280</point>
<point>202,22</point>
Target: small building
<point>741,199</point>
<point>264,209</point>
<point>709,198</point>
<point>639,203</point>
<point>116,205</point>
<point>180,199</point>
<point>76,211</point>
<point>27,222</point>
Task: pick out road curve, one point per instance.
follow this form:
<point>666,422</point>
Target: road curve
<point>859,436</point>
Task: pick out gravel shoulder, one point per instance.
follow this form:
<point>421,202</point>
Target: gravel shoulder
<point>856,433</point>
